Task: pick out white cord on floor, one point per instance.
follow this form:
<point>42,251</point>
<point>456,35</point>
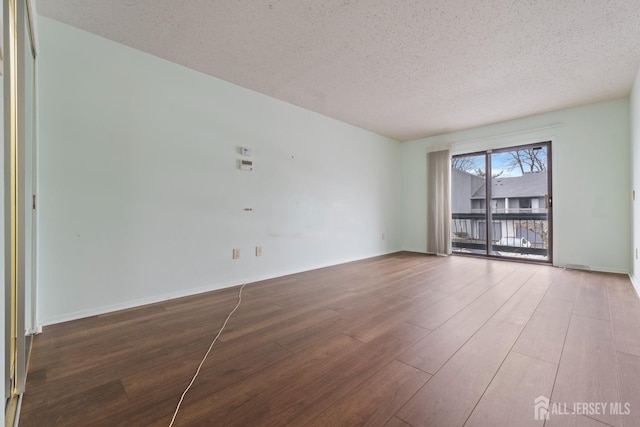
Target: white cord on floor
<point>175,414</point>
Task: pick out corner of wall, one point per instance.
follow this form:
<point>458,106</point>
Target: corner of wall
<point>634,111</point>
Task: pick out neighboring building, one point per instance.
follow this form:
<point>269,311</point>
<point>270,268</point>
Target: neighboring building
<point>464,186</point>
<point>513,194</point>
<point>510,195</point>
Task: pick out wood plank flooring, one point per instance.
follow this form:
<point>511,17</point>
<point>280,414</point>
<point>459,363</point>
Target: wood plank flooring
<point>398,340</point>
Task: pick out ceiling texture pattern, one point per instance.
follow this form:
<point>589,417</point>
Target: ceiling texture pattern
<point>405,69</point>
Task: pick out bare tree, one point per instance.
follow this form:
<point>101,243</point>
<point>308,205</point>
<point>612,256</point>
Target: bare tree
<point>482,173</point>
<point>466,164</point>
<point>469,165</point>
<point>528,160</point>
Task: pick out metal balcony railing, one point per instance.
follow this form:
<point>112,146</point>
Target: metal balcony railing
<point>469,233</point>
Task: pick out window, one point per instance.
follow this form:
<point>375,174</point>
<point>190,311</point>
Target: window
<point>525,203</point>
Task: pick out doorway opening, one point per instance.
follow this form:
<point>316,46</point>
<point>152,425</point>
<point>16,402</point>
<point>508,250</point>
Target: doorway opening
<point>501,203</point>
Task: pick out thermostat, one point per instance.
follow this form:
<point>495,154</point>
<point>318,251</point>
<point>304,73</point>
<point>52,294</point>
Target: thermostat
<point>246,165</point>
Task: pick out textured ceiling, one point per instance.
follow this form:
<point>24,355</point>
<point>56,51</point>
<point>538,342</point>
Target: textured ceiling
<point>405,68</point>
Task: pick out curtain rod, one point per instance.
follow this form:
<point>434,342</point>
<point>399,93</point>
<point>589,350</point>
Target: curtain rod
<point>555,125</point>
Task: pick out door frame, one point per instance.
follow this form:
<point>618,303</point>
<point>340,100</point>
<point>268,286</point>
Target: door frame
<point>487,153</point>
<point>20,145</point>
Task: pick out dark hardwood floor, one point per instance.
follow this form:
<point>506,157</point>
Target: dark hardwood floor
<point>398,340</point>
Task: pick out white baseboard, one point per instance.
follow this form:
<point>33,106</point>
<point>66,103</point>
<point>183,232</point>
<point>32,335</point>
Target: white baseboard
<point>34,331</point>
<point>635,283</point>
<point>95,311</point>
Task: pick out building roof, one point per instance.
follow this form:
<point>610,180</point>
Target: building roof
<point>528,185</point>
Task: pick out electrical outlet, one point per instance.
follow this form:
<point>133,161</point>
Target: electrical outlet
<point>236,253</point>
<point>258,250</point>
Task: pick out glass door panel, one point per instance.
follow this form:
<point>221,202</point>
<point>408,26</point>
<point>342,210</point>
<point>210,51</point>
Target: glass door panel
<point>469,218</point>
<point>519,202</point>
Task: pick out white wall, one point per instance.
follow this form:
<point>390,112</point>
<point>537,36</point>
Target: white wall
<point>635,149</point>
<point>591,186</point>
<point>141,197</point>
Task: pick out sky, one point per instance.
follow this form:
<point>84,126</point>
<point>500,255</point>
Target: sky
<point>501,162</point>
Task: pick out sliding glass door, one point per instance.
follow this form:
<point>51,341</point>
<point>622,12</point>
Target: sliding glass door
<point>501,203</point>
<point>19,86</point>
